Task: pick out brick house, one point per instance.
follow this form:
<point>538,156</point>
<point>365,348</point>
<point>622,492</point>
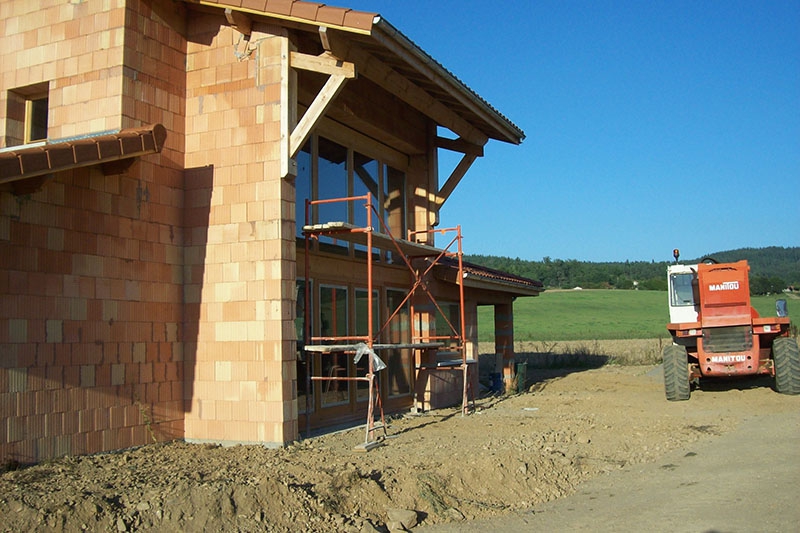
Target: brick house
<point>155,162</point>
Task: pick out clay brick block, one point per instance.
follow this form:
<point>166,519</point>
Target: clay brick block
<point>118,374</point>
<point>17,330</point>
<point>17,379</point>
<point>146,374</point>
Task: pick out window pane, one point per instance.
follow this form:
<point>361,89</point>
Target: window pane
<point>332,180</point>
<point>682,290</point>
<point>333,323</point>
<point>398,361</point>
<point>302,357</point>
<point>449,324</point>
<point>365,179</point>
<point>362,328</point>
<point>303,185</point>
<point>332,184</point>
<point>394,201</point>
<point>37,120</point>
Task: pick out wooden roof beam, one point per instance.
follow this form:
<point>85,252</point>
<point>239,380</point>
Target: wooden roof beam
<point>416,97</point>
<point>460,145</point>
<point>338,72</point>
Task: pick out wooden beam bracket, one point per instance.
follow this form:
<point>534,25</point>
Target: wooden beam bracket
<point>239,21</point>
<point>460,145</point>
<point>455,177</point>
<point>338,72</point>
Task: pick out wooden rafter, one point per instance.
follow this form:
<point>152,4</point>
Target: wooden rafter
<point>400,86</point>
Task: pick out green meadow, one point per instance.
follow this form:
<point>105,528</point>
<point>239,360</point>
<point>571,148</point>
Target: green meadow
<point>566,315</point>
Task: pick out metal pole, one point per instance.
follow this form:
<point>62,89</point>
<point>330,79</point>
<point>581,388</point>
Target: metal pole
<point>370,366</point>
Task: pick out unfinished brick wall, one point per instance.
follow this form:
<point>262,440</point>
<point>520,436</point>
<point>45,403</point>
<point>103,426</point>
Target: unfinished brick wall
<point>91,265</point>
<point>240,273</point>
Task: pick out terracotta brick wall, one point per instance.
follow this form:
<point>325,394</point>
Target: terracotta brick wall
<point>240,362</point>
<point>91,266</point>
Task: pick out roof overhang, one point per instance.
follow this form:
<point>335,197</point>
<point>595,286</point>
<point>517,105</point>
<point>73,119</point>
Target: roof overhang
<point>435,90</point>
<point>478,277</point>
<point>111,149</point>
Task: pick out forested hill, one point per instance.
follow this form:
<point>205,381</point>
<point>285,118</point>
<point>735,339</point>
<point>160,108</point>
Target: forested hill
<point>771,269</point>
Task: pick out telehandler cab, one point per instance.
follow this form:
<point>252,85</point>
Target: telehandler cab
<point>716,333</point>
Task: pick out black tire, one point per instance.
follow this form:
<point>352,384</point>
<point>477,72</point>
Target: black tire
<point>676,372</point>
<point>786,357</point>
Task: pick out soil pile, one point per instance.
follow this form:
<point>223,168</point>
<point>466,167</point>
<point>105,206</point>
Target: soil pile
<point>512,453</point>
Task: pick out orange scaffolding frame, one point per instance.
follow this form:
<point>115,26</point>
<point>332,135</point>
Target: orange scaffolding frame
<point>409,251</point>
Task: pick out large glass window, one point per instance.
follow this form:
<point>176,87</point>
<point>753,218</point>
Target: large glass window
<point>329,170</point>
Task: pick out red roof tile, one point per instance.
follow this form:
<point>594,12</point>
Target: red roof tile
<point>256,5</point>
<point>332,15</point>
<point>280,7</point>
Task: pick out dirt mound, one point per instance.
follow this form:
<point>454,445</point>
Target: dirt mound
<point>512,453</point>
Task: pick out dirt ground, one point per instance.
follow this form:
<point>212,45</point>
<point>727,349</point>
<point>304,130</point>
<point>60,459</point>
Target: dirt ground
<point>513,453</point>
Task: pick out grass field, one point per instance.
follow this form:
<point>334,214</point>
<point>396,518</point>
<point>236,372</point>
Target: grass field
<point>598,315</point>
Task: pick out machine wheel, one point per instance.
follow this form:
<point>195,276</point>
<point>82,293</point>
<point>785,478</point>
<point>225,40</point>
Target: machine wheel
<point>786,356</point>
<point>676,372</point>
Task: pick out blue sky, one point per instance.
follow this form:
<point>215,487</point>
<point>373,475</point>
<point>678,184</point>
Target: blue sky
<point>649,125</point>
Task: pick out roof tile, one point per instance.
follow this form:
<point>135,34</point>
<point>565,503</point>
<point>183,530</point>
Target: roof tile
<point>85,153</point>
<point>305,10</point>
<point>255,5</point>
<point>61,155</point>
<point>109,147</point>
<point>279,7</point>
<point>359,19</point>
<point>34,160</point>
<point>331,15</point>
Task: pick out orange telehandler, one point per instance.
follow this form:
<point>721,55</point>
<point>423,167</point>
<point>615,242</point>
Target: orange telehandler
<point>715,332</point>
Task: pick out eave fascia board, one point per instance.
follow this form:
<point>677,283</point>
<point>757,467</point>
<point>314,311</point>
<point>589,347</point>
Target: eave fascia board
<point>473,282</point>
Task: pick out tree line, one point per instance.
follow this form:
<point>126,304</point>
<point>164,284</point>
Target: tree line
<point>772,270</point>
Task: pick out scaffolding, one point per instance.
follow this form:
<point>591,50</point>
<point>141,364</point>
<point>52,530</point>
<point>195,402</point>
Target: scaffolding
<point>420,260</point>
